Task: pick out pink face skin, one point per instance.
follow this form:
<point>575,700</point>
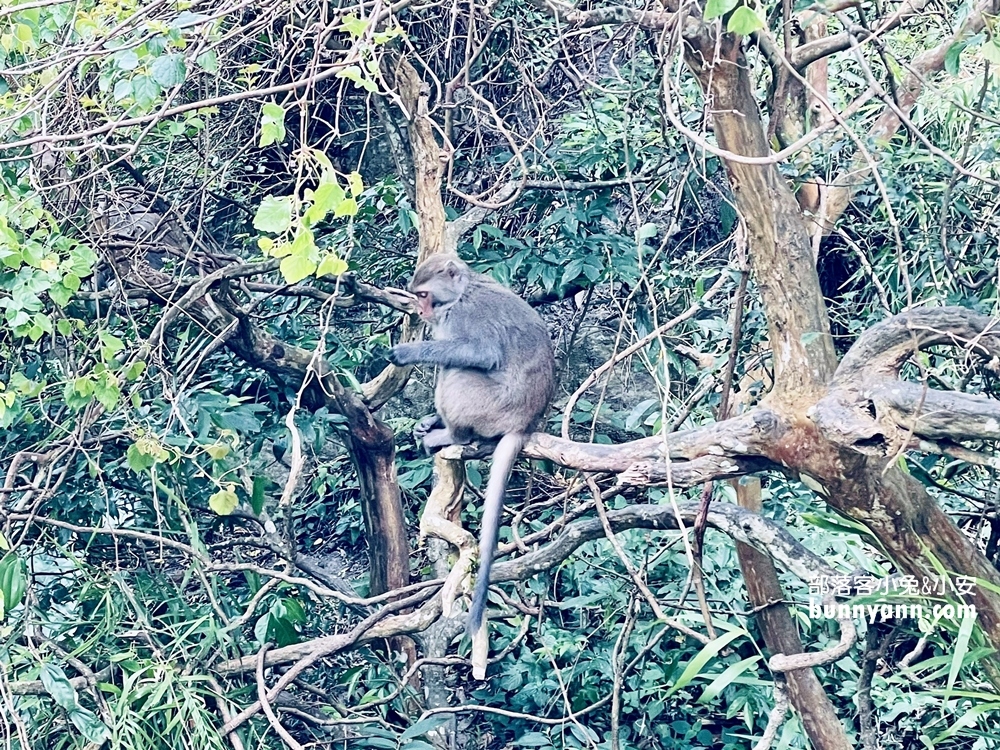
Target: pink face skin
<point>425,309</point>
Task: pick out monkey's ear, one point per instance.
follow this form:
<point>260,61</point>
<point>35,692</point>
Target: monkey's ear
<point>452,268</point>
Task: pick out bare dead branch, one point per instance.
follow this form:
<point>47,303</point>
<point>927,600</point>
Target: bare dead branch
<point>735,522</point>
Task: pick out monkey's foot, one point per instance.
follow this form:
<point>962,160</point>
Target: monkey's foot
<point>426,425</point>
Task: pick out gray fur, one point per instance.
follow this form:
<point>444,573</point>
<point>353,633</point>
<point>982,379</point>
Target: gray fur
<point>496,379</point>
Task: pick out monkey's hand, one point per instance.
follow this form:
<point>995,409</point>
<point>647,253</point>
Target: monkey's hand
<point>404,354</point>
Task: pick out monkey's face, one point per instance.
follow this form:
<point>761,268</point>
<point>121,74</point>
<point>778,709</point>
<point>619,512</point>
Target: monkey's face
<point>425,305</point>
<point>438,290</point>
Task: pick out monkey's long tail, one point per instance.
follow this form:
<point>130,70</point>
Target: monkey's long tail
<point>503,462</point>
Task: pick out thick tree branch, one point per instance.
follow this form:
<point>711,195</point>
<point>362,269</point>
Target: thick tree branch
<point>826,46</point>
<point>870,410</point>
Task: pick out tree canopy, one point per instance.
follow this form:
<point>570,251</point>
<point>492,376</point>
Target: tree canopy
<point>762,510</point>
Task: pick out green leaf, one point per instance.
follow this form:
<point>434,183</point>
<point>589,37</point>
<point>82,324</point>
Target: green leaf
<point>257,495</point>
<point>11,258</point>
<point>137,460</point>
<point>325,198</point>
<point>127,60</point>
<point>261,627</point>
<point>122,90</point>
<point>991,51</point>
<point>135,370</point>
<point>208,61</point>
<point>186,19</point>
<point>144,91</point>
<point>57,685</point>
<point>294,268</point>
<point>290,609</point>
<point>966,719</point>
<point>82,260</point>
<point>280,250</point>
<point>646,231</point>
<point>716,8</point>
<point>953,57</point>
<point>272,124</point>
<point>24,385</point>
<point>223,502</point>
<point>355,183</point>
<point>60,294</point>
<point>274,215</point>
<point>381,37</point>
<point>353,25</point>
<point>92,728</point>
<point>347,207</point>
<point>354,73</point>
<point>217,451</point>
<point>380,743</point>
<point>44,322</point>
<point>744,21</point>
<point>424,726</point>
<point>304,244</point>
<point>13,581</point>
<point>729,674</point>
<point>78,393</point>
<point>23,34</point>
<point>961,647</point>
<point>110,345</point>
<point>107,391</point>
<point>331,265</point>
<point>168,70</point>
<point>708,652</point>
<point>533,739</point>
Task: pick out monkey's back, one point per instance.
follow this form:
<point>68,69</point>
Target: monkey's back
<point>511,396</point>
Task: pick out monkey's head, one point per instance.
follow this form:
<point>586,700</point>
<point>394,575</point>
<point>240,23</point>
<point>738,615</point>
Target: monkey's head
<point>438,283</point>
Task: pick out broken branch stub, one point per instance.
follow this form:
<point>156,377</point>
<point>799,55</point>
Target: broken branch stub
<point>870,409</point>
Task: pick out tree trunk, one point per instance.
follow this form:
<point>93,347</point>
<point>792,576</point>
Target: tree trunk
<point>914,531</point>
<point>780,255</point>
<point>819,718</point>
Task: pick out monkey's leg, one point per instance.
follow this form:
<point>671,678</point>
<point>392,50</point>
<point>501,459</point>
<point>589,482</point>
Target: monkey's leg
<point>432,433</point>
<point>426,425</point>
<point>436,439</point>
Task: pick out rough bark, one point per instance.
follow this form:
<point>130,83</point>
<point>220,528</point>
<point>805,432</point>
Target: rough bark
<point>780,254</point>
<point>819,719</point>
<point>912,528</point>
<point>428,161</point>
<point>427,157</point>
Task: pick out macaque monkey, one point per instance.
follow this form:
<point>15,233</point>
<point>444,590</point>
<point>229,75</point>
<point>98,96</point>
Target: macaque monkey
<point>496,378</point>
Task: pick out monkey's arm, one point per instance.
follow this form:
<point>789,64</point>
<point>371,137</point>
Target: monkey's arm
<point>452,353</point>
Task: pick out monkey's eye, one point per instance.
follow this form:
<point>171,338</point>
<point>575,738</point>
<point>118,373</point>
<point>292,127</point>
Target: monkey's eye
<point>422,295</point>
